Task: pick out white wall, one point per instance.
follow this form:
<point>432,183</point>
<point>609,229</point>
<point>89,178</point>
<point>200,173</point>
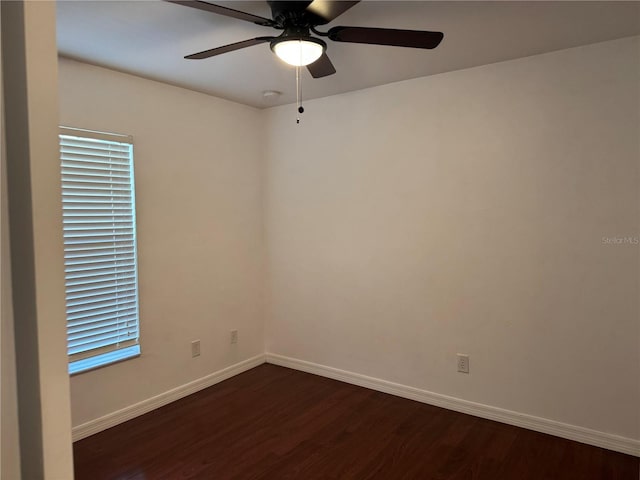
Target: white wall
<point>9,436</point>
<point>200,239</point>
<point>465,212</point>
<point>462,212</point>
<point>30,106</point>
<point>9,432</point>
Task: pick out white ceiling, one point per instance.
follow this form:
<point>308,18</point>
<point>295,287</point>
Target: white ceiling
<point>150,39</point>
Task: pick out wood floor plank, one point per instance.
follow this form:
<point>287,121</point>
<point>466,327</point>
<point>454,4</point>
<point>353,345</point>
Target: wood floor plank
<point>276,423</point>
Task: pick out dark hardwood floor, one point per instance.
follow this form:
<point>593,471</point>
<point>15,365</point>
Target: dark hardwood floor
<point>276,423</point>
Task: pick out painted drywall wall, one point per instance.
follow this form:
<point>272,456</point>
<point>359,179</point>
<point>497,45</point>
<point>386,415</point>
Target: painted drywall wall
<point>35,233</point>
<point>492,211</point>
<point>9,439</point>
<point>199,221</point>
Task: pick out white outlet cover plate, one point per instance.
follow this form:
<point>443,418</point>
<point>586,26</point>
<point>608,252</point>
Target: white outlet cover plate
<point>463,363</point>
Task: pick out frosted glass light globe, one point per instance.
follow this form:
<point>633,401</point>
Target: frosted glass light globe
<point>298,52</point>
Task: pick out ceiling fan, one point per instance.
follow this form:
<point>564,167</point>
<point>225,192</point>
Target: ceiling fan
<point>298,19</point>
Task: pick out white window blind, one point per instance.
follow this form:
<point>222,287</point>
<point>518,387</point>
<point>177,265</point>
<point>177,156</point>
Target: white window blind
<point>99,226</point>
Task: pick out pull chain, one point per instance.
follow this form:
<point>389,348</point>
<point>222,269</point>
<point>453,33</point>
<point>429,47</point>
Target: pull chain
<point>298,94</point>
<point>299,91</point>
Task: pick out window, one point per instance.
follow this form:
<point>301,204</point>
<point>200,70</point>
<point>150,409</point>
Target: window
<point>99,223</point>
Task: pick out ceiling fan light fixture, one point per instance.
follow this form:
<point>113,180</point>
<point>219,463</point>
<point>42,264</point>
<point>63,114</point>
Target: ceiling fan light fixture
<point>298,51</point>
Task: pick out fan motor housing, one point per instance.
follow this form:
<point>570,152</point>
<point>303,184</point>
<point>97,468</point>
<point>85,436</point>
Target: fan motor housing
<point>292,14</point>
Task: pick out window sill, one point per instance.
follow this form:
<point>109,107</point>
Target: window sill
<point>99,361</point>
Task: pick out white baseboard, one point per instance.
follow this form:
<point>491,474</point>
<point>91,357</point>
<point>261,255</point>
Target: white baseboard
<point>571,432</point>
<point>132,411</point>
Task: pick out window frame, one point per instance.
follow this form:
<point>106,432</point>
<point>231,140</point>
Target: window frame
<point>98,357</point>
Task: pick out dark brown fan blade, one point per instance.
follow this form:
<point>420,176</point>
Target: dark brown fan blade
<point>229,12</point>
<point>321,67</point>
<point>386,36</point>
<point>328,10</point>
<point>228,48</point>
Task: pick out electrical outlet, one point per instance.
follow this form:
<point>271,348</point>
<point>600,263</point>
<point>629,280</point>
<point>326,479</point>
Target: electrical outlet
<point>234,336</point>
<point>463,363</point>
<point>195,348</point>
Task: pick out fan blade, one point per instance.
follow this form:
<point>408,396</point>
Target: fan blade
<point>386,36</point>
<point>328,10</point>
<point>228,48</point>
<point>229,12</point>
<point>321,67</point>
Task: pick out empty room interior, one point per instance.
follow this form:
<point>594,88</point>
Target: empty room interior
<point>320,240</point>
